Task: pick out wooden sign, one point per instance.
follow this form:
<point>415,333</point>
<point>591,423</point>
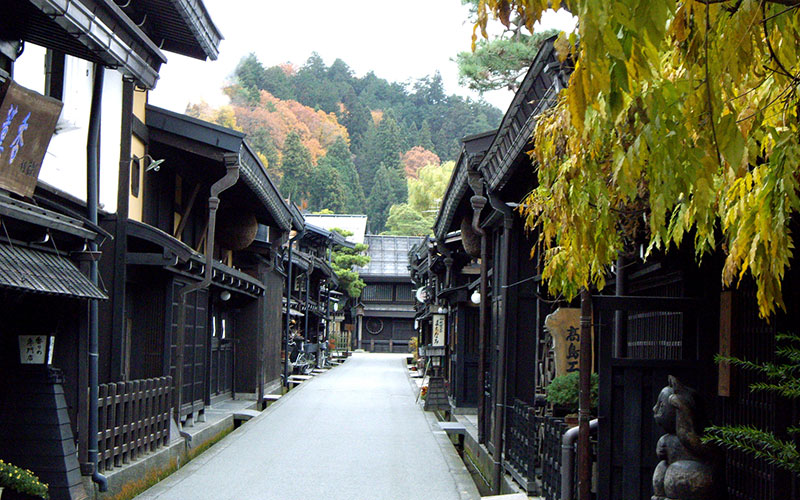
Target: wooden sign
<point>36,349</point>
<point>27,122</point>
<point>564,325</point>
<point>437,338</point>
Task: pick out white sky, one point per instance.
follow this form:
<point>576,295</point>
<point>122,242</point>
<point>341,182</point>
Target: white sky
<point>399,41</point>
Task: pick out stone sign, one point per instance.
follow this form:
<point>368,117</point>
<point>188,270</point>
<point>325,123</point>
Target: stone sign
<point>27,122</point>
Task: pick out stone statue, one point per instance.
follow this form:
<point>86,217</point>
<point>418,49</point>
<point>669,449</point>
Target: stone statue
<point>686,470</point>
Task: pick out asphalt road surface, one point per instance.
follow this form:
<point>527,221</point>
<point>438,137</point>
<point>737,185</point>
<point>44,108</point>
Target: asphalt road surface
<point>354,432</point>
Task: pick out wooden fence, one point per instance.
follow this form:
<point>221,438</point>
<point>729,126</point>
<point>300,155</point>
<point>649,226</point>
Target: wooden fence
<point>522,447</point>
<point>133,419</point>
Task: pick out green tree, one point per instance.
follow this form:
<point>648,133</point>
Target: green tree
<point>384,146</point>
<point>424,139</point>
<point>499,63</point>
<point>326,190</point>
<point>379,200</point>
<point>278,83</point>
<point>405,221</point>
<point>249,72</point>
<point>355,116</point>
<point>296,166</point>
<point>262,142</point>
<point>683,112</point>
<point>344,259</point>
<point>416,218</point>
<point>425,193</point>
<point>340,159</point>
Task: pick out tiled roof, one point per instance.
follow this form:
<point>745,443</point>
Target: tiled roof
<point>389,255</point>
<point>356,224</point>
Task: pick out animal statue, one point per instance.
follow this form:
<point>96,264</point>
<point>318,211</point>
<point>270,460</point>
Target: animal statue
<point>686,470</point>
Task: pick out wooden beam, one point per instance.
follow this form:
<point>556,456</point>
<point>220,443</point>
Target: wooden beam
<point>187,212</point>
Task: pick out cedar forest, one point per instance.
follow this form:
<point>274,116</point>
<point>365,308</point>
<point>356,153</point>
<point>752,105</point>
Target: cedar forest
<point>347,144</point>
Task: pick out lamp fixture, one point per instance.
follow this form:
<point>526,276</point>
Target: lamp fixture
<point>475,298</point>
<point>224,296</point>
<point>441,310</point>
<point>152,164</point>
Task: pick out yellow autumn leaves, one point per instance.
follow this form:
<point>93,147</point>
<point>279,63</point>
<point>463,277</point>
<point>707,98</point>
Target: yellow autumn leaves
<point>680,121</point>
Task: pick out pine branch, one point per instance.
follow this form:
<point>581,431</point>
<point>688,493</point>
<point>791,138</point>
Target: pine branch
<point>758,443</point>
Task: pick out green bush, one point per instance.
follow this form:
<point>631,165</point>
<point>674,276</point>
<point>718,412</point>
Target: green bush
<point>21,480</point>
<point>564,391</point>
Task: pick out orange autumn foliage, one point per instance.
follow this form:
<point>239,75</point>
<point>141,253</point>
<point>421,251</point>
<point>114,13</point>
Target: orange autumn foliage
<point>317,129</point>
<point>416,158</point>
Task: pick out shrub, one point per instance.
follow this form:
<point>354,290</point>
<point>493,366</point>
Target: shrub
<point>21,480</point>
<point>564,391</point>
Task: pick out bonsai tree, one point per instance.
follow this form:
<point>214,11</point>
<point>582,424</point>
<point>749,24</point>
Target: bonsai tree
<point>564,391</point>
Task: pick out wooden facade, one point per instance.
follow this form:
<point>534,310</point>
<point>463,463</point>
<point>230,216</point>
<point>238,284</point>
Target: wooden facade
<point>664,316</point>
<point>388,300</point>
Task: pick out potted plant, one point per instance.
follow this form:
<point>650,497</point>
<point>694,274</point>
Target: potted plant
<point>563,393</point>
<point>20,483</point>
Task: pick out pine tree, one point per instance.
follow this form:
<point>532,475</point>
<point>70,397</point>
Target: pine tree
<point>296,166</point>
<point>383,146</point>
<point>424,139</point>
<point>339,158</point>
<point>782,378</point>
<point>326,190</point>
<point>378,202</point>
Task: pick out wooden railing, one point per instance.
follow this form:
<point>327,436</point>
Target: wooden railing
<point>133,419</point>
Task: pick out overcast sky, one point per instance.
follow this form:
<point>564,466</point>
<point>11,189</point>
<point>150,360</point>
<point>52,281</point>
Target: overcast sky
<point>399,41</point>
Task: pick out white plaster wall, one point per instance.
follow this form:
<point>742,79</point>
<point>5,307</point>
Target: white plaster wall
<point>64,164</point>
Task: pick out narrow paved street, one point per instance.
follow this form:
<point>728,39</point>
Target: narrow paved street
<point>354,432</point>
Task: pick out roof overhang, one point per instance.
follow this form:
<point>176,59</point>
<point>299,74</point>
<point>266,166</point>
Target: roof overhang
<point>179,258</point>
<point>96,30</point>
<point>472,151</point>
<point>29,270</point>
<point>173,128</point>
<point>180,26</point>
<point>538,91</point>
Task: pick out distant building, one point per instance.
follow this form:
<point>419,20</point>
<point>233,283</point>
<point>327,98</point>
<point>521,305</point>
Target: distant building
<point>356,224</point>
<point>388,298</point>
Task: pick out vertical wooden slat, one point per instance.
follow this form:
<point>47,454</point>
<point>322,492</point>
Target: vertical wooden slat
<point>119,424</point>
<point>102,392</point>
<point>134,419</point>
<point>109,427</point>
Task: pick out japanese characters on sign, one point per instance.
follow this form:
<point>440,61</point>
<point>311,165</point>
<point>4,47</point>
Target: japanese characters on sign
<point>27,122</point>
<point>36,349</point>
<point>437,337</point>
<point>564,325</point>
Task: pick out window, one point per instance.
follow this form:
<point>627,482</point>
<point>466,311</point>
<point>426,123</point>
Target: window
<point>378,291</point>
<point>404,293</point>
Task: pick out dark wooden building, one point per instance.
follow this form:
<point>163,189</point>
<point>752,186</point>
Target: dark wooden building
<point>232,329</point>
<point>388,300</point>
<point>88,56</point>
<point>664,316</point>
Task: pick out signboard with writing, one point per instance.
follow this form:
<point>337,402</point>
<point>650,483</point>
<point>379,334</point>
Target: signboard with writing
<point>564,325</point>
<point>27,122</point>
<point>438,330</point>
<point>36,349</point>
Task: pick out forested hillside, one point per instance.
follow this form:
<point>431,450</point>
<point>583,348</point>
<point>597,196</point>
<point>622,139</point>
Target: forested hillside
<point>345,143</point>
